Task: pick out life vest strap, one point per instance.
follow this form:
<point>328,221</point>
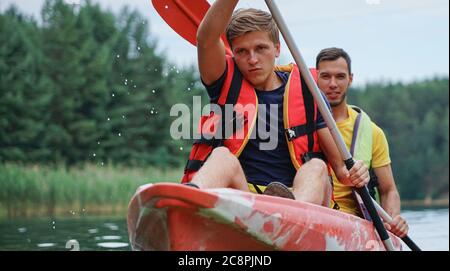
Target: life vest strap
<point>298,131</point>
<point>310,112</point>
<point>311,155</point>
<point>213,142</point>
<point>193,165</point>
<point>231,125</point>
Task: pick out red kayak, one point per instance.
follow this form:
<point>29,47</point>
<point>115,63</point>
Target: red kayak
<point>174,217</point>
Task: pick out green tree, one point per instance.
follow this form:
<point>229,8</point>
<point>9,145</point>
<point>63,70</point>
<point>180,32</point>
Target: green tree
<point>24,93</point>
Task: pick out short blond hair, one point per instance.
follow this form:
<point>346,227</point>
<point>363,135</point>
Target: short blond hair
<point>248,20</point>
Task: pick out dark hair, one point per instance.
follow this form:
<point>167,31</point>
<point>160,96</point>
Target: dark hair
<point>331,54</point>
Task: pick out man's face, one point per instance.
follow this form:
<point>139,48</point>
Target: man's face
<point>255,55</point>
<point>334,80</point>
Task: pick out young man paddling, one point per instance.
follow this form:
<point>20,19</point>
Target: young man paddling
<point>364,138</point>
<point>249,83</point>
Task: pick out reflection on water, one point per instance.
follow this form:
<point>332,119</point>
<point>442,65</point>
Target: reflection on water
<point>428,228</point>
<point>46,245</point>
<point>86,233</point>
<point>113,245</point>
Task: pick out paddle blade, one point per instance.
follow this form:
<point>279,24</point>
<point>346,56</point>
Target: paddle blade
<point>184,17</point>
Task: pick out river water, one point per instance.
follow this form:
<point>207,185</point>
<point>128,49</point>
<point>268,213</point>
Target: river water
<point>429,228</point>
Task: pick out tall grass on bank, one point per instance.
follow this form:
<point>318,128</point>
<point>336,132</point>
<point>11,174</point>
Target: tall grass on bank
<point>90,189</point>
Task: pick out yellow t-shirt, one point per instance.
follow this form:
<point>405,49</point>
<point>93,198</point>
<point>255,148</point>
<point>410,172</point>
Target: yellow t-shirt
<point>380,157</point>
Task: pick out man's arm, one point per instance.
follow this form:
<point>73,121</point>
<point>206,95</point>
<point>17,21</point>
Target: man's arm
<point>389,196</point>
<point>358,176</point>
<point>390,200</point>
<point>210,48</point>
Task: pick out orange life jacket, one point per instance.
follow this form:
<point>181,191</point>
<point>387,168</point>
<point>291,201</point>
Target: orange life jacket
<point>300,117</point>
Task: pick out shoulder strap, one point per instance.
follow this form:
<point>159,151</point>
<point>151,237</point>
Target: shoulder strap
<point>310,111</point>
<point>361,145</point>
<point>233,84</point>
<point>235,87</point>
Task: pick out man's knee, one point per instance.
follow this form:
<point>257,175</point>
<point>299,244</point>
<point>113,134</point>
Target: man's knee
<point>221,151</point>
<point>313,172</point>
<point>316,165</point>
<point>224,157</point>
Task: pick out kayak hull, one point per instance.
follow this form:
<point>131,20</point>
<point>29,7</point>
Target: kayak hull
<point>173,217</point>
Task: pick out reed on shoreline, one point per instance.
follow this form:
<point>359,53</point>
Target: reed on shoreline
<point>30,191</point>
<point>89,189</point>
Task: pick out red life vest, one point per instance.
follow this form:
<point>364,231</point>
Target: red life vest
<point>300,117</point>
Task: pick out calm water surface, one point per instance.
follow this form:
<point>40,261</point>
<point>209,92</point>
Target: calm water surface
<point>428,228</point>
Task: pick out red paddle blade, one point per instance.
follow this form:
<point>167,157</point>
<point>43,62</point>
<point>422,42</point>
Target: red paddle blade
<point>184,17</point>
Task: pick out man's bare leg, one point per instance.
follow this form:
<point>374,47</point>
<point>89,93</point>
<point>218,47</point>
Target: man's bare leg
<point>312,183</point>
<point>221,170</point>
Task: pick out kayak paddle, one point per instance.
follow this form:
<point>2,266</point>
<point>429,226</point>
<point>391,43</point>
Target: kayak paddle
<point>184,16</point>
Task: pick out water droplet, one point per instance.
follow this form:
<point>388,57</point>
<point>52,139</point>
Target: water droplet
<point>139,48</point>
<point>166,6</point>
<point>181,148</point>
<point>123,117</point>
<point>22,230</point>
<point>118,56</point>
<point>153,91</point>
<point>126,82</point>
<point>109,119</point>
<point>156,70</point>
<point>111,226</point>
<point>113,95</point>
<point>178,71</point>
<point>151,112</point>
<point>46,245</point>
<point>54,227</point>
<point>92,230</point>
<point>94,154</point>
<point>134,86</point>
<point>102,165</point>
<point>189,89</point>
<point>113,245</point>
<point>98,143</point>
<point>120,134</point>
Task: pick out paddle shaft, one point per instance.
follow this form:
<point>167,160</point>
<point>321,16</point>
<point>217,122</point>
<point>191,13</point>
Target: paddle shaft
<point>349,162</point>
<point>388,219</point>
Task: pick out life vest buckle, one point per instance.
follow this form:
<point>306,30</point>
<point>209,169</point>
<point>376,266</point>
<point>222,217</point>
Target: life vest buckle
<point>291,135</point>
